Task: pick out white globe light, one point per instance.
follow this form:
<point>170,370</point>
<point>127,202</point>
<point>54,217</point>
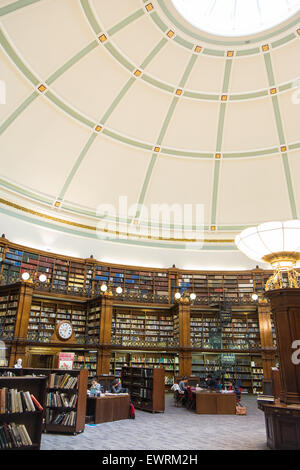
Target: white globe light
<point>193,296</point>
<point>43,278</point>
<point>261,242</point>
<point>103,288</point>
<point>119,290</point>
<point>254,296</point>
<point>177,295</point>
<point>25,276</point>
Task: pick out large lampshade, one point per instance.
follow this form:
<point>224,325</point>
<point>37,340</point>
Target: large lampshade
<point>277,243</point>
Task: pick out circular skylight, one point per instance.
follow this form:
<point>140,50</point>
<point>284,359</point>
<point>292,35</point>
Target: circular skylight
<point>236,17</point>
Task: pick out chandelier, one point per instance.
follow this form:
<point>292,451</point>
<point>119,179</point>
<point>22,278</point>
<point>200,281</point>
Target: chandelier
<point>275,243</point>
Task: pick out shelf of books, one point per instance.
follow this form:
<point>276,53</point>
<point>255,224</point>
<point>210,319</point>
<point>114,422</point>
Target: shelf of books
<point>9,300</point>
<point>245,369</point>
<point>146,386</point>
<point>93,321</point>
<point>139,326</point>
<point>273,332</point>
<point>242,332</point>
<point>84,359</point>
<point>169,361</point>
<point>65,401</point>
<point>22,400</point>
<point>44,315</point>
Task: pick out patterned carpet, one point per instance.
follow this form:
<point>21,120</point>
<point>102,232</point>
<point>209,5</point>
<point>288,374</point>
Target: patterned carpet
<point>176,429</point>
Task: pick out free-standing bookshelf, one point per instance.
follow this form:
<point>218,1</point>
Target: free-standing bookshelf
<point>73,420</point>
<point>32,420</point>
<point>146,387</point>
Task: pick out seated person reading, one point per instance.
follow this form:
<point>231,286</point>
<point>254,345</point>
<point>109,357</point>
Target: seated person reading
<point>183,388</point>
<point>211,382</point>
<point>116,387</point>
<point>96,387</point>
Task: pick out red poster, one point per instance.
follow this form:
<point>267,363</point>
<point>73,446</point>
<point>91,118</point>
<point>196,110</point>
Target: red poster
<point>66,360</point>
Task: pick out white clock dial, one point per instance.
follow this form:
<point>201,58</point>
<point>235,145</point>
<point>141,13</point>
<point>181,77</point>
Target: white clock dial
<point>65,330</point>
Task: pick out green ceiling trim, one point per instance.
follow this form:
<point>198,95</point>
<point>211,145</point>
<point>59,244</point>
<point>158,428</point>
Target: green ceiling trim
<point>191,33</point>
<point>163,131</point>
<point>183,42</point>
<point>117,100</point>
<point>134,16</point>
<point>126,140</point>
<point>167,120</point>
<point>18,111</point>
<point>294,146</point>
<point>94,235</point>
<point>287,171</point>
<point>25,192</point>
<point>201,96</point>
<point>16,59</point>
<point>251,153</point>
<point>286,86</point>
<point>188,70</point>
<point>249,96</point>
<point>76,58</point>
<point>281,136</point>
<point>154,52</point>
<point>16,6</point>
<point>215,191</point>
<point>278,120</point>
<point>228,66</point>
<point>146,183</point>
<point>181,153</point>
<point>158,21</point>
<point>245,52</point>
<point>118,56</point>
<point>90,16</point>
<point>70,111</point>
<point>284,40</point>
<point>213,52</point>
<point>77,165</point>
<point>220,129</point>
<point>220,126</point>
<point>269,69</point>
<point>157,83</point>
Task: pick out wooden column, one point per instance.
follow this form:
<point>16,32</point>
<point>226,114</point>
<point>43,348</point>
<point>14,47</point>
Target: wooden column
<point>104,353</point>
<point>266,340</point>
<point>285,305</point>
<point>183,310</point>
<point>18,349</point>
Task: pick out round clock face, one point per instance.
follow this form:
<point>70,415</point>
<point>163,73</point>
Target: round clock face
<point>65,330</point>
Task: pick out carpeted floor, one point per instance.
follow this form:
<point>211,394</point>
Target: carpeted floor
<point>176,429</point>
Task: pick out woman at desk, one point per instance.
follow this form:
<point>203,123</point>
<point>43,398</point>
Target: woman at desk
<point>96,387</point>
<point>116,387</point>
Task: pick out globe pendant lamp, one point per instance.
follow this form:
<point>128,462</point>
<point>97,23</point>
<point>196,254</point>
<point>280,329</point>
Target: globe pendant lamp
<point>275,243</point>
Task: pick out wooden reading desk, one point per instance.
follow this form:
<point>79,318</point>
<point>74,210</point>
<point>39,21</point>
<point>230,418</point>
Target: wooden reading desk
<point>108,408</point>
<point>212,402</point>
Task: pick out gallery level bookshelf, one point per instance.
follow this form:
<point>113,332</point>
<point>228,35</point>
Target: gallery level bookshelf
<point>32,420</point>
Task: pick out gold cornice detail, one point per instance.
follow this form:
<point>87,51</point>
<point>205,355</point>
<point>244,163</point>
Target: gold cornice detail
<point>94,229</point>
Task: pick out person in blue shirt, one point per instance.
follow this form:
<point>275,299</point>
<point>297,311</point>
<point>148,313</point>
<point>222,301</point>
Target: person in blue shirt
<point>116,387</point>
<point>96,387</point>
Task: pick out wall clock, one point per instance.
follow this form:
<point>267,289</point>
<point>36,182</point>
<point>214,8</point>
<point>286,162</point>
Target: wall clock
<point>64,330</point>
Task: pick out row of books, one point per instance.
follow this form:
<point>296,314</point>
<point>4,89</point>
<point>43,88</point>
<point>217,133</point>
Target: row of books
<point>64,419</point>
<point>13,436</point>
<point>62,381</point>
<point>60,400</point>
<point>14,401</point>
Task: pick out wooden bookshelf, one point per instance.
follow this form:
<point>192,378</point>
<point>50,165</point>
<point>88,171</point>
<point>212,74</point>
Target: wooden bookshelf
<point>80,389</point>
<point>32,420</point>
<point>146,386</point>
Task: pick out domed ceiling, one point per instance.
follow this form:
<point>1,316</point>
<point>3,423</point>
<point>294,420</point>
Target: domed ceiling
<point>102,99</point>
